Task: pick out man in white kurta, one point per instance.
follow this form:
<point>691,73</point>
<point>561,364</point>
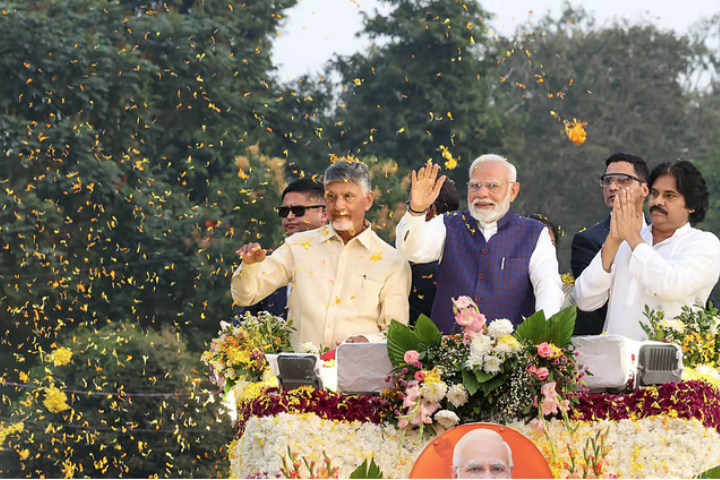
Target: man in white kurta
<point>664,266</point>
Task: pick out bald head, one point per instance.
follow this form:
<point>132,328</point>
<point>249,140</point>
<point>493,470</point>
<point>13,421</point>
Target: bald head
<point>482,453</point>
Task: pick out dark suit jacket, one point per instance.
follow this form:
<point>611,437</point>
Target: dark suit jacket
<point>275,303</point>
<point>424,287</point>
<point>585,246</point>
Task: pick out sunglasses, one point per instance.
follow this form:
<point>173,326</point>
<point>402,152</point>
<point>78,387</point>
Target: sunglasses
<point>297,210</point>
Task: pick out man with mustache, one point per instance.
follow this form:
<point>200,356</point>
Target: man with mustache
<point>664,266</point>
<point>348,284</point>
<point>303,208</point>
<point>622,171</point>
<point>505,262</point>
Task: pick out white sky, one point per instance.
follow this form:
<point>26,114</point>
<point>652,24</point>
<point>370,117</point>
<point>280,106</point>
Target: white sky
<point>317,29</point>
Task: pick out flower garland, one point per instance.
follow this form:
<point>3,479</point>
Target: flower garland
<point>689,400</point>
<point>327,405</point>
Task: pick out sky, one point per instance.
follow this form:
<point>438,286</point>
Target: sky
<point>315,30</point>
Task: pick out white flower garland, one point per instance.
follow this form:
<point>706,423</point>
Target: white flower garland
<point>659,447</point>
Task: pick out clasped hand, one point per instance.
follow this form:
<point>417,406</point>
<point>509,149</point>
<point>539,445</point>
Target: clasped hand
<point>626,221</point>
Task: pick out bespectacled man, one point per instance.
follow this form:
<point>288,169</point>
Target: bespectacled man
<point>623,171</point>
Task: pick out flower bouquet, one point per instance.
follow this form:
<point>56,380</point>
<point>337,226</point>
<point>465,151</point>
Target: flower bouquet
<point>694,330</point>
<point>486,373</point>
<point>239,351</point>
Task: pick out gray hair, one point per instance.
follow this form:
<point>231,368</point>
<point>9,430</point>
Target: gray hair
<point>355,172</point>
<point>474,436</point>
<point>491,157</point>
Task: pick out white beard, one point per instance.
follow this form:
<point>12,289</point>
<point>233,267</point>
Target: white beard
<point>342,224</point>
<point>485,216</point>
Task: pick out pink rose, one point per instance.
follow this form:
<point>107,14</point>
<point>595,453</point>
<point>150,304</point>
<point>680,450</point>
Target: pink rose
<point>411,356</point>
<point>463,302</point>
<point>548,390</point>
<point>548,406</point>
<point>542,373</point>
<point>545,350</point>
<point>419,375</point>
<point>402,423</point>
<point>531,369</point>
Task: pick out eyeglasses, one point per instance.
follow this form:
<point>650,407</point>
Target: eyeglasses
<point>621,179</point>
<point>492,186</point>
<point>297,210</point>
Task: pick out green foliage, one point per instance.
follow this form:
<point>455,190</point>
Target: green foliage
<point>172,433</point>
<point>402,338</point>
<point>557,330</point>
<point>367,470</point>
<point>711,473</point>
<point>422,85</point>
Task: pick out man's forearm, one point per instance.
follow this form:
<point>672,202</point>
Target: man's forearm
<point>609,251</point>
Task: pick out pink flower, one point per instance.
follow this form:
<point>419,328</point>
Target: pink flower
<point>541,373</point>
<point>424,413</point>
<point>548,406</point>
<point>538,425</point>
<point>473,321</point>
<point>548,390</point>
<point>419,375</point>
<point>545,350</point>
<point>411,356</point>
<point>411,395</point>
<point>402,423</point>
<point>531,369</point>
<point>463,302</point>
<point>565,405</point>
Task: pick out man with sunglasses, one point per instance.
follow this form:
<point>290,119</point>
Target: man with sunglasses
<point>348,284</point>
<point>624,171</point>
<point>303,208</point>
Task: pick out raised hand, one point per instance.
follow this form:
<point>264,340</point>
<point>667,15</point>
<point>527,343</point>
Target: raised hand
<point>252,253</point>
<point>425,187</point>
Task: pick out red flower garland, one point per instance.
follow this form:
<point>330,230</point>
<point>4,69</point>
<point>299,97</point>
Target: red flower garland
<point>327,405</point>
<point>691,399</point>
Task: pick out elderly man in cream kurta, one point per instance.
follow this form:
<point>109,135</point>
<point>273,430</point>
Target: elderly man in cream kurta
<point>347,283</point>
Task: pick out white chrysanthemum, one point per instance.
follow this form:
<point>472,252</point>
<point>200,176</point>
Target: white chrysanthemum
<point>447,419</point>
<point>435,392</point>
<point>492,364</point>
<point>474,360</point>
<point>309,347</point>
<point>457,395</point>
<point>675,325</point>
<point>481,345</point>
<point>501,327</point>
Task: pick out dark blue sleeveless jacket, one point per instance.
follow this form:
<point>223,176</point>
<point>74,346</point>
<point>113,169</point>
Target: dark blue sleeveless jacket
<point>494,274</point>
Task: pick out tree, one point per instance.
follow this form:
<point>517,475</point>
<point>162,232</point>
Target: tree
<point>625,81</point>
<point>106,430</point>
<point>423,84</point>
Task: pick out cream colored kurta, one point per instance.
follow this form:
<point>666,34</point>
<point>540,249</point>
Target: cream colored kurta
<point>338,290</point>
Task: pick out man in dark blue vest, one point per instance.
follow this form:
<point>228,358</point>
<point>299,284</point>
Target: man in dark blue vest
<point>505,262</point>
<point>303,208</point>
<point>622,171</point>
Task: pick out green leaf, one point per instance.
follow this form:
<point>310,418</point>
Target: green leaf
<point>489,386</point>
<point>470,382</point>
<point>532,328</point>
<point>427,332</point>
<point>400,340</point>
<point>557,330</point>
<point>712,473</point>
<point>483,377</point>
<point>366,470</point>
